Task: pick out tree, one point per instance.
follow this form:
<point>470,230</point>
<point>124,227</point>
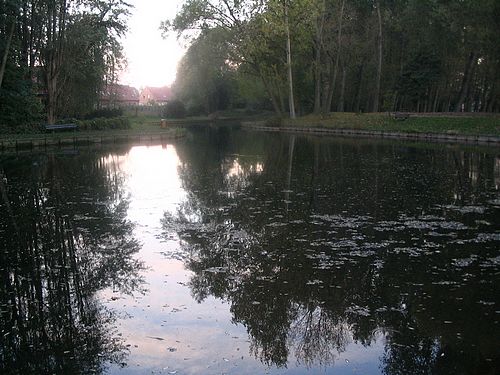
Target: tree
<point>253,29</point>
<point>206,81</point>
<point>10,23</point>
<point>367,55</point>
<point>101,25</point>
<point>94,57</point>
<point>63,51</point>
<point>379,58</point>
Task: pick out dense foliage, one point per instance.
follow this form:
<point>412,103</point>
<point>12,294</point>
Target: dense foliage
<point>357,55</point>
<point>104,123</point>
<point>57,56</point>
<point>174,109</point>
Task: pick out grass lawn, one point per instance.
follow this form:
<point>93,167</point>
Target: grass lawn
<point>142,128</point>
<point>488,125</point>
<point>141,125</point>
<point>148,124</point>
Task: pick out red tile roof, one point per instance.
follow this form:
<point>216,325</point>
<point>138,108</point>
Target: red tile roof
<point>155,94</point>
<point>120,93</point>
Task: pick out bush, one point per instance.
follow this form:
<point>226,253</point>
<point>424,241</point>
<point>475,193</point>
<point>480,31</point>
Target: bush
<point>274,122</point>
<point>174,109</point>
<point>104,123</point>
<point>104,113</point>
<point>195,110</point>
<point>66,121</point>
<point>20,129</point>
<point>18,109</point>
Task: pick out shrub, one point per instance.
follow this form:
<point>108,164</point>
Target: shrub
<point>104,113</point>
<point>18,110</point>
<point>104,123</point>
<point>195,110</point>
<point>174,109</point>
<point>20,129</point>
<point>274,122</point>
<point>66,121</point>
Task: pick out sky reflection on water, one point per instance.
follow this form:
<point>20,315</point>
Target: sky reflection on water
<point>165,330</point>
<point>244,253</point>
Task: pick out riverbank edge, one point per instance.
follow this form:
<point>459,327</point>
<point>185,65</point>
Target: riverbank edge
<point>435,137</point>
<point>39,142</point>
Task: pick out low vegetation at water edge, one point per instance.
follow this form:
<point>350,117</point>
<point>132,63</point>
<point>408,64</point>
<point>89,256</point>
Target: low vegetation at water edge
<point>488,125</point>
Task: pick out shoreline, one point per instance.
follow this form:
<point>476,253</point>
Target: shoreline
<point>38,141</point>
<point>489,140</point>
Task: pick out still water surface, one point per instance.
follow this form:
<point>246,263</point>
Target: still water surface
<point>247,253</point>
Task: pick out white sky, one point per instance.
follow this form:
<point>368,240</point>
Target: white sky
<point>152,60</point>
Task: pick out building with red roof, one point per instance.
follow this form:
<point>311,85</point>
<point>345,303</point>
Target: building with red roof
<point>119,96</point>
<point>155,95</point>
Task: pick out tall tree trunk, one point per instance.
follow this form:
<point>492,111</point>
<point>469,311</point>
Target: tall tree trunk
<point>56,29</point>
<point>320,22</point>
<point>51,98</point>
<point>327,104</point>
<point>491,99</point>
<point>342,89</point>
<point>6,52</point>
<point>466,81</point>
<point>274,100</point>
<point>376,98</point>
<point>326,85</point>
<point>436,97</point>
<point>317,80</point>
<point>358,91</point>
<point>24,34</point>
<point>291,102</point>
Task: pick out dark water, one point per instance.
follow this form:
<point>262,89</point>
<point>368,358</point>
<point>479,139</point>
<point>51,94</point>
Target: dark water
<point>248,253</point>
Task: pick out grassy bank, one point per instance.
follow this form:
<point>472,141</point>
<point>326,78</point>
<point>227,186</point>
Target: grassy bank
<point>141,128</point>
<point>488,125</point>
<point>141,125</point>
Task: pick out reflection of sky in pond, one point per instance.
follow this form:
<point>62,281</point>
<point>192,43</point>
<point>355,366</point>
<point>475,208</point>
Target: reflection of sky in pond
<point>165,329</point>
<point>249,253</point>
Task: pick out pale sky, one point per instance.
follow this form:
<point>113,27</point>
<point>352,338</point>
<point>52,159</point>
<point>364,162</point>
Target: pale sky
<point>152,60</point>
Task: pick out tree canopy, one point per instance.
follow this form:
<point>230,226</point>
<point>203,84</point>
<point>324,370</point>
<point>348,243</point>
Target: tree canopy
<point>57,55</point>
<point>358,55</point>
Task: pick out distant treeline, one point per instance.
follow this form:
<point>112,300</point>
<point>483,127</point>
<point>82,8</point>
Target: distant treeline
<point>56,56</point>
<point>340,55</point>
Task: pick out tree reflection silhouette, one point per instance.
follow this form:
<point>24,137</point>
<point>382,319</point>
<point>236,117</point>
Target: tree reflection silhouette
<point>64,236</point>
<point>359,240</point>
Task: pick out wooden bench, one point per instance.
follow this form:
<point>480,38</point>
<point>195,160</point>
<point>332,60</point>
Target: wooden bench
<point>54,127</point>
<point>400,116</point>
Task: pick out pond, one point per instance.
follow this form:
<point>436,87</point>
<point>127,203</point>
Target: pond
<point>233,252</point>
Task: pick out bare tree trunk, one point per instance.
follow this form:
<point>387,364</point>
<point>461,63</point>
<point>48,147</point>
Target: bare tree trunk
<point>342,89</point>
<point>317,59</point>
<point>358,91</point>
<point>55,54</point>
<point>291,102</point>
<point>6,52</point>
<point>436,97</point>
<point>331,87</point>
<point>466,81</point>
<point>51,98</point>
<point>491,99</point>
<point>24,35</point>
<point>274,101</point>
<point>376,99</point>
<point>326,85</point>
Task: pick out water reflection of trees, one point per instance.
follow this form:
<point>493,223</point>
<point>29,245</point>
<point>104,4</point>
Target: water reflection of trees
<point>358,240</point>
<point>63,237</point>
